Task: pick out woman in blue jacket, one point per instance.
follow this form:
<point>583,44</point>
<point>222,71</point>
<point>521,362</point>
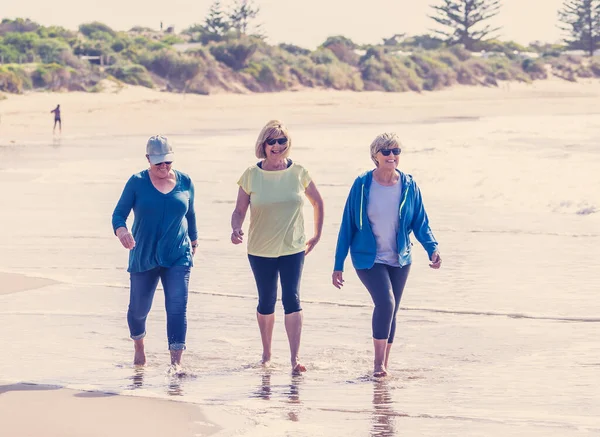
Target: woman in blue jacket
<point>384,206</point>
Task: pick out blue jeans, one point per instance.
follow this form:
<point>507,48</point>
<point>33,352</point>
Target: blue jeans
<point>175,282</point>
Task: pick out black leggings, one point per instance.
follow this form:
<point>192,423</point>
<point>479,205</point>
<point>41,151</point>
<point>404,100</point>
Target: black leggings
<point>385,284</point>
<point>266,270</point>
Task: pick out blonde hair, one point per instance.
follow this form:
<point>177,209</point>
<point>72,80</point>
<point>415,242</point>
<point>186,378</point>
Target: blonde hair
<point>273,129</point>
<point>387,140</point>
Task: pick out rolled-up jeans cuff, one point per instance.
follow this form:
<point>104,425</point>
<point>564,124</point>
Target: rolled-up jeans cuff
<point>138,337</point>
<point>177,347</point>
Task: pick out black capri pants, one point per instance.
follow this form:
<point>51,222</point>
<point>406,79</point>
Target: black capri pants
<point>385,284</point>
<point>266,272</point>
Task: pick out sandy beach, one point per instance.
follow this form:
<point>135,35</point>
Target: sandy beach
<point>138,110</point>
<point>501,341</point>
<point>36,410</point>
<point>13,283</point>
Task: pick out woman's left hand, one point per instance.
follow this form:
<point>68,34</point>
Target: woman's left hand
<point>194,247</point>
<point>310,244</point>
<point>436,260</point>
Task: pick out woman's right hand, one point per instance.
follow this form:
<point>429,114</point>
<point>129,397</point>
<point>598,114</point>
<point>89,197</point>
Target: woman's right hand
<point>125,238</point>
<point>237,236</point>
<point>338,279</point>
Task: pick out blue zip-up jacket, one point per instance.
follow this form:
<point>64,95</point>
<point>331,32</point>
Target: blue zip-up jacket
<point>356,233</point>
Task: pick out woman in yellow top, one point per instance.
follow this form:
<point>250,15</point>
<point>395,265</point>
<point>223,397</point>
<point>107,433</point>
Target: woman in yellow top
<point>273,189</point>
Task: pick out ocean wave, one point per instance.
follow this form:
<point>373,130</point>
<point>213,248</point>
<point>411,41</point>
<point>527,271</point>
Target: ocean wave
<point>520,232</point>
<point>475,419</point>
<point>579,208</point>
<point>464,312</point>
<point>587,210</point>
<point>467,312</point>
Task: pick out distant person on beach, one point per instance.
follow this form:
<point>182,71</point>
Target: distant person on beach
<point>57,119</point>
<point>162,244</point>
<point>384,206</point>
<point>273,188</point>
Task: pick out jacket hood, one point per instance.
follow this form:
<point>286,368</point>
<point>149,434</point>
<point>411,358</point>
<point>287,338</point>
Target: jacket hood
<point>367,177</point>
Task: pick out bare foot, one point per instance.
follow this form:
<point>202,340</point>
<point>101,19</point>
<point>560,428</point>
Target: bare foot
<point>298,368</point>
<point>139,358</point>
<point>266,360</point>
<point>379,371</point>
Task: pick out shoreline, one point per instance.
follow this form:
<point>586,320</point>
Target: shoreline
<point>16,283</point>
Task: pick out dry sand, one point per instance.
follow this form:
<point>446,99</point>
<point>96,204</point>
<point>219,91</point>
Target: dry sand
<point>141,111</point>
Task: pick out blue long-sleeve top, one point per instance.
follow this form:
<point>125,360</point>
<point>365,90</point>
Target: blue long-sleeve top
<point>164,225</point>
<point>357,235</point>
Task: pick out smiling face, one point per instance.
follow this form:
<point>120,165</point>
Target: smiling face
<point>385,151</point>
<point>391,160</point>
<point>274,141</point>
<point>160,170</point>
<point>276,147</point>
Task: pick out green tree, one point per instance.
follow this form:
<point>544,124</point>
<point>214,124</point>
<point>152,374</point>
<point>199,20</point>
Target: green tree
<point>17,25</point>
<point>581,19</point>
<point>50,50</point>
<point>242,15</point>
<point>216,22</point>
<point>466,20</point>
<point>23,42</point>
<point>88,29</point>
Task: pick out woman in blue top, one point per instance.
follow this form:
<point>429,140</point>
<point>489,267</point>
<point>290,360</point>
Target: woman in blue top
<point>162,244</point>
<point>384,206</point>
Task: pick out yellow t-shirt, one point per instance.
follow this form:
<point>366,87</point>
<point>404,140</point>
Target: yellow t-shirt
<point>276,201</point>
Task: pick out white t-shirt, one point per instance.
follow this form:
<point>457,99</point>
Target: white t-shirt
<point>382,210</point>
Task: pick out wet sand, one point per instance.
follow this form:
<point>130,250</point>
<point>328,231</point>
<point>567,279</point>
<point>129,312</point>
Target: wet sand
<point>37,410</point>
<point>14,282</point>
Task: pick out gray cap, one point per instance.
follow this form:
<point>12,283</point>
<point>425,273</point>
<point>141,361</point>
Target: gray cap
<point>159,149</point>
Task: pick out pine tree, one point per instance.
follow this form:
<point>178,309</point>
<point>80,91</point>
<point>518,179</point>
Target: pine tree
<point>582,23</point>
<point>216,22</point>
<point>244,11</point>
<point>465,20</point>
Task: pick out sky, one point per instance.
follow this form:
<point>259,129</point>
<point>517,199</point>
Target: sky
<point>306,23</point>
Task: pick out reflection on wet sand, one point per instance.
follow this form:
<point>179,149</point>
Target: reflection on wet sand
<point>382,420</point>
<point>264,389</point>
<point>137,379</point>
<point>293,395</point>
<point>177,375</point>
<point>294,391</point>
<point>174,387</point>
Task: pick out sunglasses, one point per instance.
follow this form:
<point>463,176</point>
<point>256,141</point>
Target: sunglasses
<point>165,162</point>
<point>281,141</point>
<point>386,152</point>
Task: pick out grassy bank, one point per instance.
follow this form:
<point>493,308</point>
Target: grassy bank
<point>35,57</point>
